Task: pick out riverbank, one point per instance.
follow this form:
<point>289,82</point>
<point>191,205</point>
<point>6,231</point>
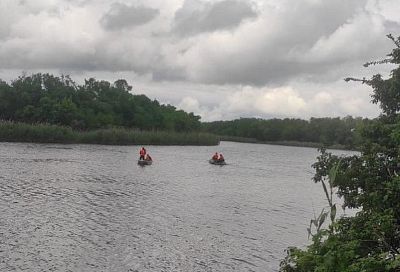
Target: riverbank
<point>284,143</point>
<point>45,133</point>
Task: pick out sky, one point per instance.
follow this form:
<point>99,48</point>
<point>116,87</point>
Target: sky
<point>221,59</point>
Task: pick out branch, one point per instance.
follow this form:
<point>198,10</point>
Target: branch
<point>377,62</point>
<point>326,193</point>
<point>396,41</point>
<point>363,80</point>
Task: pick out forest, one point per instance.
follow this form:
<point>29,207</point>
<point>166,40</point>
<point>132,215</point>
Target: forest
<point>46,99</point>
<point>326,131</point>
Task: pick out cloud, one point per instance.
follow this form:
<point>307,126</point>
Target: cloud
<point>190,104</point>
<point>389,9</point>
<point>261,42</point>
<point>249,54</point>
<point>347,42</point>
<point>249,102</point>
<point>285,102</point>
<point>198,17</point>
<point>302,39</point>
<point>123,16</point>
<point>46,40</point>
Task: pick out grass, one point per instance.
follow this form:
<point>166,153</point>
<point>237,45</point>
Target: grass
<point>284,143</point>
<point>45,133</point>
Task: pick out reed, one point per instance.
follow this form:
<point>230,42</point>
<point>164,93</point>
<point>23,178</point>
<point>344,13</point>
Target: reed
<point>45,133</point>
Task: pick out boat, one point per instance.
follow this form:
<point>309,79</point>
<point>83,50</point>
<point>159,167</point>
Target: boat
<point>216,162</point>
<point>144,162</point>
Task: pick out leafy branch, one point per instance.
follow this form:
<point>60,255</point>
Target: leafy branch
<point>317,222</point>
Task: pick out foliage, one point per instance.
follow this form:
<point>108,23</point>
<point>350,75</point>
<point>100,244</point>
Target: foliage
<point>46,133</point>
<point>369,182</point>
<point>44,98</point>
<point>94,105</point>
<point>327,131</point>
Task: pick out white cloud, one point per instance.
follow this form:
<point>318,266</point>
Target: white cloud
<point>190,104</point>
<point>282,101</point>
<point>389,9</point>
<point>285,102</point>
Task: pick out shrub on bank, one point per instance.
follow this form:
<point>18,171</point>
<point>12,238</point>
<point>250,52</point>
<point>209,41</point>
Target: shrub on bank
<point>45,133</point>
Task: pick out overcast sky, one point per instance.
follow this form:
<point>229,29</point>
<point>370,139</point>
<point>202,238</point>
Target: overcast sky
<point>219,59</point>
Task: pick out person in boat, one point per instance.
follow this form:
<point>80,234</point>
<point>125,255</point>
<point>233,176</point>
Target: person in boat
<point>148,158</point>
<point>215,156</point>
<point>142,153</point>
<point>221,158</point>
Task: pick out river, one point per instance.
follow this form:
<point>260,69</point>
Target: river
<point>92,208</point>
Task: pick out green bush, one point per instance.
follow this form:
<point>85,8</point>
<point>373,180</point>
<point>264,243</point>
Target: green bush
<point>370,183</point>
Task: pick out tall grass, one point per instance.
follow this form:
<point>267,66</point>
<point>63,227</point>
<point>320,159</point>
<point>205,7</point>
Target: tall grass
<point>44,133</point>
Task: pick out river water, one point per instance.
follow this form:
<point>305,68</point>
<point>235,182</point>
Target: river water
<point>92,208</point>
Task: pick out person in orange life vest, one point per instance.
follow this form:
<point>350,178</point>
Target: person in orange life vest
<point>148,158</point>
<point>142,153</point>
<point>215,157</point>
<point>221,158</point>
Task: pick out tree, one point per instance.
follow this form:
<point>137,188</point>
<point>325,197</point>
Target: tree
<point>369,182</point>
<point>122,84</point>
<point>44,98</point>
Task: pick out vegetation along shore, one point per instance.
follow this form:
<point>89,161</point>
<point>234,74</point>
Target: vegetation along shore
<point>45,133</point>
<point>368,182</point>
<point>47,108</point>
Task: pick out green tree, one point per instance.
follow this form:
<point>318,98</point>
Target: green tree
<point>44,98</point>
<point>369,182</point>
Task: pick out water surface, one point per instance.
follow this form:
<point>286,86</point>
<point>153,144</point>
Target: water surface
<point>92,208</point>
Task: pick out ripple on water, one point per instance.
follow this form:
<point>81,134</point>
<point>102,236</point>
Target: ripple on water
<point>91,208</point>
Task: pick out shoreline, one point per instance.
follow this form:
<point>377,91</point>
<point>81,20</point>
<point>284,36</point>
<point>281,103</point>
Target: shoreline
<point>45,133</point>
<point>15,132</point>
<point>285,143</point>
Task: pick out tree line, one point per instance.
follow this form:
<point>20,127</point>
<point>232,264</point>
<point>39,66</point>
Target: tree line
<point>98,104</point>
<point>328,131</point>
<point>45,98</point>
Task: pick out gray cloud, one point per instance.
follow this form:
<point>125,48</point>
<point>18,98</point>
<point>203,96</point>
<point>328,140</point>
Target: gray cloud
<point>197,17</point>
<point>264,48</point>
<point>123,16</point>
<point>300,39</point>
